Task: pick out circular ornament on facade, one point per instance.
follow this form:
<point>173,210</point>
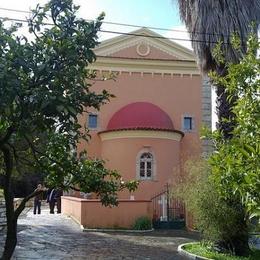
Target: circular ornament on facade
<point>143,49</point>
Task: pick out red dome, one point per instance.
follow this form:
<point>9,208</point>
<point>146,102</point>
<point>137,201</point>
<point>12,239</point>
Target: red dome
<point>140,115</point>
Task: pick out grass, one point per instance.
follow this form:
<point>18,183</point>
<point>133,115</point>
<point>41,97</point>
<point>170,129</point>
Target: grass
<point>202,250</point>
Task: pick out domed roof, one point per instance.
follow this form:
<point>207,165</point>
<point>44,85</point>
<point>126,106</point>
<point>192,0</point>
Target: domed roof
<point>140,115</point>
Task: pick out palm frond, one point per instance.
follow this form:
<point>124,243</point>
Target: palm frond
<point>212,21</point>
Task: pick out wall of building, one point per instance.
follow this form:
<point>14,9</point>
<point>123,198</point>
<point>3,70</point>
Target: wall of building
<point>121,154</point>
<point>177,95</point>
<point>164,74</point>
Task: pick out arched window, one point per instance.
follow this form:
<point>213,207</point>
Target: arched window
<point>146,162</point>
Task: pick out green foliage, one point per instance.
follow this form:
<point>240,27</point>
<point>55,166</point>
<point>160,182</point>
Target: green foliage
<point>1,193</point>
<point>142,223</point>
<point>236,162</point>
<point>44,90</point>
<point>213,216</point>
<point>206,250</point>
<point>65,169</point>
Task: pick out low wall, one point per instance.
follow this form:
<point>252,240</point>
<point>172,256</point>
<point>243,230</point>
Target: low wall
<point>2,214</point>
<point>91,214</point>
<point>72,206</point>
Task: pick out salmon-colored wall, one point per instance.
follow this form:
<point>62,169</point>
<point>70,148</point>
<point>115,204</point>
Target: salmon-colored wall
<point>121,155</point>
<point>131,52</point>
<point>94,215</point>
<point>70,206</point>
<point>176,95</point>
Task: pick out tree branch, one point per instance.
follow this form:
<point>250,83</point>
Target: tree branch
<point>10,131</point>
<point>7,182</point>
<point>21,207</point>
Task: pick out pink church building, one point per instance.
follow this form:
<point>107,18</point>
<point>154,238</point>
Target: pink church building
<point>148,130</point>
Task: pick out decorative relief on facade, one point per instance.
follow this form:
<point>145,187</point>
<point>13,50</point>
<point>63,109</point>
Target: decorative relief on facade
<point>143,49</point>
<point>111,46</point>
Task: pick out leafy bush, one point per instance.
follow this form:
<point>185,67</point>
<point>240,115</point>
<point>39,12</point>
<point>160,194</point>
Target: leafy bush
<point>214,217</point>
<point>142,223</point>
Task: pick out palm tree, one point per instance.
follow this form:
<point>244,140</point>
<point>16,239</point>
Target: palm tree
<point>210,22</point>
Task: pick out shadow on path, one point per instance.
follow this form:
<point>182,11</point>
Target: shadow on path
<point>57,237</point>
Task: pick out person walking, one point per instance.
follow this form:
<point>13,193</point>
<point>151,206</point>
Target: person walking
<point>51,199</point>
<point>58,195</point>
<point>38,200</point>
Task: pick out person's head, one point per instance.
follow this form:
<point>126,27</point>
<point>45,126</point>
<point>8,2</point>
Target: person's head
<point>39,186</point>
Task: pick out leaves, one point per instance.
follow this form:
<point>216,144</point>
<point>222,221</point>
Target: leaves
<point>66,170</point>
<point>236,165</point>
<point>44,88</point>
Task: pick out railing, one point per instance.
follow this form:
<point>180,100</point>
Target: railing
<point>167,208</point>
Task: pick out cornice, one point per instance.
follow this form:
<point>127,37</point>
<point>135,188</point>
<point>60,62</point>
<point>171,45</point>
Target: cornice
<point>154,134</point>
<point>145,65</point>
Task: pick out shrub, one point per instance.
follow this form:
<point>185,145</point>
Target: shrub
<point>214,217</point>
<point>142,223</point>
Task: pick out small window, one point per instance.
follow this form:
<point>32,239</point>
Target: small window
<point>92,121</point>
<point>187,123</point>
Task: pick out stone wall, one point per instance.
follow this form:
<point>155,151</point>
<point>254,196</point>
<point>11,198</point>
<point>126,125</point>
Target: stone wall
<point>206,113</point>
<point>2,214</point>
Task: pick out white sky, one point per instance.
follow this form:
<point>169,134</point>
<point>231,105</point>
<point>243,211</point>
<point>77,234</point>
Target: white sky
<point>116,11</point>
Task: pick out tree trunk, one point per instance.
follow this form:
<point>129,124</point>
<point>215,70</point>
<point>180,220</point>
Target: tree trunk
<point>11,236</point>
<point>240,237</point>
<point>11,239</point>
<point>226,117</point>
<point>240,243</point>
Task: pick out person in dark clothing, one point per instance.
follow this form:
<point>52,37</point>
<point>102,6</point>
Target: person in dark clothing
<point>38,200</point>
<point>51,199</point>
<point>58,195</point>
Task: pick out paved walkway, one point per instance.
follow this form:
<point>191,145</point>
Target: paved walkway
<point>57,237</point>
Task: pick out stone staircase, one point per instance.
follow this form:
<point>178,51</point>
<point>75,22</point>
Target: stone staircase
<point>2,214</point>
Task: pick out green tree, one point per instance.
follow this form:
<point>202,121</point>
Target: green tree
<point>212,24</point>
<point>239,170</point>
<point>236,161</point>
<point>43,89</point>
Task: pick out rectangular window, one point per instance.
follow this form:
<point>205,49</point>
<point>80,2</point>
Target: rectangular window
<point>92,121</point>
<point>187,123</point>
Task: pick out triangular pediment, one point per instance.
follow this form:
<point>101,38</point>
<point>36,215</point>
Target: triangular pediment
<point>143,43</point>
